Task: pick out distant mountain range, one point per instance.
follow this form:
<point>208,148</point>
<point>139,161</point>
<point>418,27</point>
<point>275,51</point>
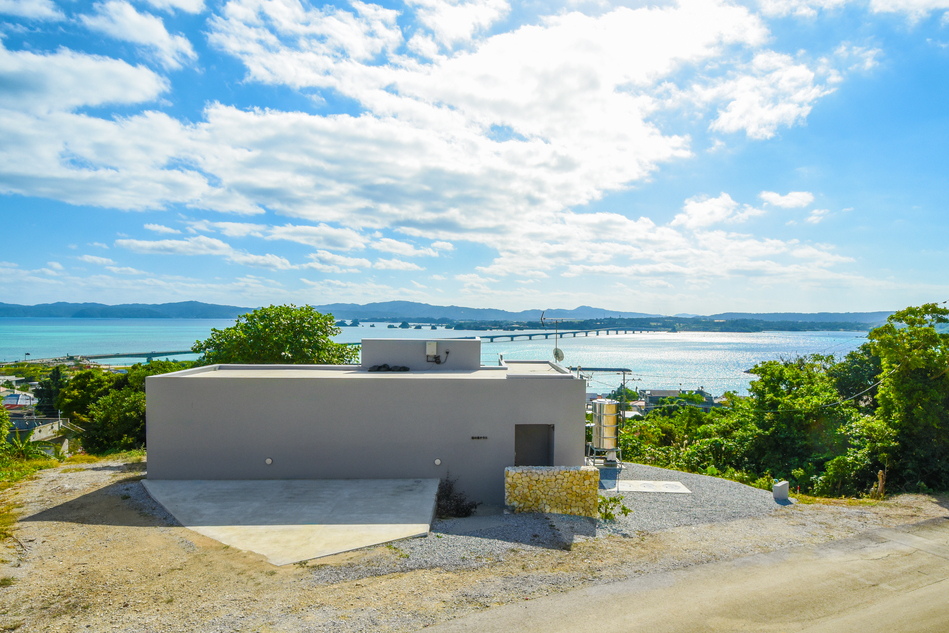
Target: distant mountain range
<point>407,310</point>
<point>182,310</point>
<point>398,311</point>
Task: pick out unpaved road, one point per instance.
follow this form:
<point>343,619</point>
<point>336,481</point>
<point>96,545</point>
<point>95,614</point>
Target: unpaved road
<point>93,553</point>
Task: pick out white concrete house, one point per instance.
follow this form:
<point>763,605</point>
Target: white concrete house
<point>446,414</point>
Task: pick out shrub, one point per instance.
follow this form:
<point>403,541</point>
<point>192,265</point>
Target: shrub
<point>451,503</point>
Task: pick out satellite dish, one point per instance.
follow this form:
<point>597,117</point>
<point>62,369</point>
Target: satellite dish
<point>558,354</point>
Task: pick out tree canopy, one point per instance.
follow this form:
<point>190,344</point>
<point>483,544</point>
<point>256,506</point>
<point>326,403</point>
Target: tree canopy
<point>284,334</point>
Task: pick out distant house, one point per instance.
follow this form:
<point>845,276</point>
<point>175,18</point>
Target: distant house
<point>652,398</point>
<point>18,399</point>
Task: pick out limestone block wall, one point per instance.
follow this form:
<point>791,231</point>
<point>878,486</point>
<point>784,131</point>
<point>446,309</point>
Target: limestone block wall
<point>558,489</point>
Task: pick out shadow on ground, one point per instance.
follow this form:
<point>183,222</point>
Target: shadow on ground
<point>122,503</point>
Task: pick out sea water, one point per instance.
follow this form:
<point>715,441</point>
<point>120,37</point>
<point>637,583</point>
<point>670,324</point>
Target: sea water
<point>657,360</point>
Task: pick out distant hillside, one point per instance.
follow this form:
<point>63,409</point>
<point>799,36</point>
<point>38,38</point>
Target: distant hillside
<point>409,310</point>
<point>810,317</point>
<point>414,311</point>
<point>182,310</point>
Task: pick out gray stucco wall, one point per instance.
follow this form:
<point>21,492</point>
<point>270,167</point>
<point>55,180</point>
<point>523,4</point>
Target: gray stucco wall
<point>364,426</point>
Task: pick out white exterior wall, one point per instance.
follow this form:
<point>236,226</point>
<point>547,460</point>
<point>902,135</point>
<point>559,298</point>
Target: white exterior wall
<point>345,423</point>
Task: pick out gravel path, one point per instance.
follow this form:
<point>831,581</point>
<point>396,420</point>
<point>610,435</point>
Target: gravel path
<point>470,543</point>
<point>712,500</point>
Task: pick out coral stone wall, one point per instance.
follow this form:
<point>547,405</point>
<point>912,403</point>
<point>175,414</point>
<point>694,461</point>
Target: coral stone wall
<point>557,489</point>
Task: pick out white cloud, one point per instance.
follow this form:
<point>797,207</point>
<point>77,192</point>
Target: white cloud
<point>395,264</point>
<point>320,236</point>
<point>801,8</point>
<point>326,262</point>
<point>817,215</point>
<point>160,228</point>
<point>125,270</point>
<point>793,200</point>
<point>915,10</point>
<point>702,211</point>
<point>203,245</point>
<point>93,259</point>
<point>96,244</point>
<point>453,21</point>
<point>55,265</point>
<point>120,20</point>
<point>859,57</point>
<point>770,92</point>
<point>64,80</point>
<point>32,9</point>
<point>230,229</point>
<point>388,245</point>
<point>188,6</point>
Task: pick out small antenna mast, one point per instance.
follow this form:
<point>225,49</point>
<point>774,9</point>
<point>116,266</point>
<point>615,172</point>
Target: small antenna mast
<point>558,353</point>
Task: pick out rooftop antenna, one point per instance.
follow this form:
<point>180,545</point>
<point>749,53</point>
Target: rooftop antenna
<point>558,353</point>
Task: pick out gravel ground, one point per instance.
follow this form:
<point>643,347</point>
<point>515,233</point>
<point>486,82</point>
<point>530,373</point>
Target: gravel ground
<point>93,552</point>
<point>457,544</point>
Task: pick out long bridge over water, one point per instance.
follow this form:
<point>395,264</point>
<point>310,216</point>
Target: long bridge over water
<point>491,338</point>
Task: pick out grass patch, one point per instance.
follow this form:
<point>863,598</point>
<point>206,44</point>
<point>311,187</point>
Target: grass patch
<point>14,470</point>
<point>6,581</point>
<point>133,456</point>
<point>82,458</point>
<point>830,501</point>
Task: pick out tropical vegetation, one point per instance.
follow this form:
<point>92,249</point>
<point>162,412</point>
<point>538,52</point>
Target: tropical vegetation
<point>828,427</point>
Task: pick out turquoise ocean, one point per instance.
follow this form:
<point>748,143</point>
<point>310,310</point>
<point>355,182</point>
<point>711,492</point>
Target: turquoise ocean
<point>687,360</point>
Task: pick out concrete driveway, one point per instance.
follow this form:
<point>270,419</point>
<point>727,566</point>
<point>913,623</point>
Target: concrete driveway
<point>294,520</point>
<point>886,580</point>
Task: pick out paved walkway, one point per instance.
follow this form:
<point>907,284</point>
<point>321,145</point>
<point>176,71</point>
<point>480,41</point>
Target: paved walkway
<point>886,580</point>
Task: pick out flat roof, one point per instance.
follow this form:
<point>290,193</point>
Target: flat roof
<point>511,369</point>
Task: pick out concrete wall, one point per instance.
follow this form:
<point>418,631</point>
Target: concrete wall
<point>454,354</point>
<point>341,423</point>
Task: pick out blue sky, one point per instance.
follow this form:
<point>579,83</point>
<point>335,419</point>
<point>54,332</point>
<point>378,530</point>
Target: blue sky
<point>694,156</point>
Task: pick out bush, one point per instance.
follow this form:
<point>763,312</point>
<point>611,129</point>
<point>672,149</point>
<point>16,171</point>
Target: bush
<point>451,503</point>
<point>117,422</point>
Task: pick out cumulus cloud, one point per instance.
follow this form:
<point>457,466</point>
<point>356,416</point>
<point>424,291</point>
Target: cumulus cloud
<point>230,229</point>
<point>188,6</point>
<point>702,211</point>
<point>498,142</point>
<point>160,228</point>
<point>320,236</point>
<point>120,20</point>
<point>772,91</point>
<point>817,215</point>
<point>32,9</point>
<point>793,200</point>
<point>452,21</point>
<point>326,262</point>
<point>396,247</point>
<point>65,80</point>
<point>203,245</point>
<point>93,259</point>
<point>395,264</point>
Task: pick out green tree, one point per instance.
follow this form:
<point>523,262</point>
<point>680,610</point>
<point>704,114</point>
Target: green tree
<point>858,373</point>
<point>47,393</point>
<point>117,422</point>
<point>914,395</point>
<point>82,391</point>
<point>277,334</point>
<point>796,416</point>
<point>624,394</point>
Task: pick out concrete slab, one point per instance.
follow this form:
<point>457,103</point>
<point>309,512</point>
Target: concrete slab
<point>652,486</point>
<point>288,521</point>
